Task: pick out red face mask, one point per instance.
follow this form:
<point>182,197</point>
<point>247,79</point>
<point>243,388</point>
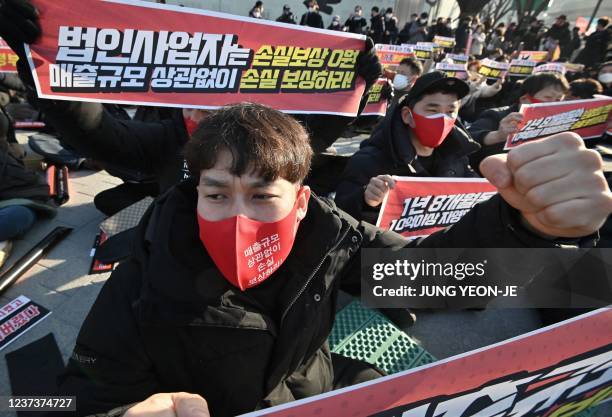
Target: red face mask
<point>247,252</point>
<point>190,124</point>
<point>533,100</point>
<point>432,130</point>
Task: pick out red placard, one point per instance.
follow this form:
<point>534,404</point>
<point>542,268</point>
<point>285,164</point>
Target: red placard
<point>391,55</point>
<point>418,206</point>
<point>377,104</point>
<point>123,51</point>
<point>556,371</point>
<point>588,118</point>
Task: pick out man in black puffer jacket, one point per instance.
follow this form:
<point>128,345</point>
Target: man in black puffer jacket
<point>188,313</point>
<point>394,149</point>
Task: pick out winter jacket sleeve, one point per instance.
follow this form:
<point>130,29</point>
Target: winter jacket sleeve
<point>95,133</point>
<point>109,367</point>
<point>488,122</point>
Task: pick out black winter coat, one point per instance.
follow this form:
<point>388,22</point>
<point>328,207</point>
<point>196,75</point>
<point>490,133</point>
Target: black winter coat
<point>312,19</point>
<point>167,321</point>
<point>389,151</point>
<point>488,122</point>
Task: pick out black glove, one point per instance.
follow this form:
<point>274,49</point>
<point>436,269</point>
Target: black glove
<point>18,24</point>
<point>368,64</point>
<point>388,92</point>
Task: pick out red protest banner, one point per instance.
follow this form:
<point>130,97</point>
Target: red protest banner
<point>556,371</point>
<point>376,104</point>
<point>418,206</point>
<point>123,51</point>
<point>588,118</point>
<point>8,58</point>
<point>537,56</point>
<point>391,55</point>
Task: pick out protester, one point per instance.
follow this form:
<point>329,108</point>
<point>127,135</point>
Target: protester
<point>496,42</point>
<point>558,35</point>
<point>257,10</point>
<point>377,25</point>
<point>391,28</point>
<point>312,17</point>
<point>494,126</point>
<point>407,143</point>
<point>418,31</point>
<point>242,342</point>
<point>596,45</point>
<point>404,34</point>
<point>583,88</point>
<point>24,194</point>
<point>335,24</point>
<point>605,77</point>
<point>406,73</point>
<point>462,34</point>
<point>287,16</point>
<point>568,49</point>
<point>478,41</point>
<point>356,23</point>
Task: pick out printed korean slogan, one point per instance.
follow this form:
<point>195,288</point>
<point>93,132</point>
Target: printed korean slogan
<point>423,52</point>
<point>453,70</point>
<point>418,207</point>
<point>121,51</point>
<point>8,58</point>
<point>458,58</point>
<point>376,104</point>
<point>550,67</point>
<point>556,371</point>
<point>444,41</point>
<point>521,67</point>
<point>391,55</point>
<point>17,317</point>
<point>493,70</point>
<point>588,118</point>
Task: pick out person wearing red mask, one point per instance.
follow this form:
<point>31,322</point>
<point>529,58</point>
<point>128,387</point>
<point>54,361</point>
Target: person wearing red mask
<point>228,299</point>
<point>418,137</point>
<point>492,128</point>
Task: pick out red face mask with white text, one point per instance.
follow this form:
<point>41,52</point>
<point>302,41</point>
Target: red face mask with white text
<point>246,251</point>
<point>432,130</point>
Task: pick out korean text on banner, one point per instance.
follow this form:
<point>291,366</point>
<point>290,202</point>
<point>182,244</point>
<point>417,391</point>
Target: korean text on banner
<point>418,207</point>
<point>588,118</point>
<point>391,55</point>
<point>376,104</point>
<point>516,377</point>
<point>123,51</point>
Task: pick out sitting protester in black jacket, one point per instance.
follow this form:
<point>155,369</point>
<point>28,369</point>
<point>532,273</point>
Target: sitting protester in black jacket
<point>494,126</point>
<point>231,291</point>
<point>409,143</point>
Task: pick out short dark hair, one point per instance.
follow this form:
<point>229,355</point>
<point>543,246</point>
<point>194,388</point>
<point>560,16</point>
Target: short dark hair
<point>375,9</point>
<point>413,63</point>
<point>603,22</point>
<point>262,140</point>
<point>538,82</point>
<point>585,88</point>
<point>424,15</point>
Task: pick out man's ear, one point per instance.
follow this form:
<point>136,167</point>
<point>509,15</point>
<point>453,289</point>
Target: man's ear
<point>302,202</point>
<point>406,113</point>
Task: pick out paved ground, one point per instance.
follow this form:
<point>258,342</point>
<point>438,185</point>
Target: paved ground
<point>60,283</point>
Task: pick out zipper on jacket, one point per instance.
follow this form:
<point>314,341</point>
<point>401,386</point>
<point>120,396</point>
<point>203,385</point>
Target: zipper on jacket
<point>311,276</point>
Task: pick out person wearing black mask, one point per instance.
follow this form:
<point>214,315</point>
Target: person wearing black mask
<point>312,17</point>
<point>287,16</point>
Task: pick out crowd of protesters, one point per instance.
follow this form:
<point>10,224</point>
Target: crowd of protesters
<point>224,175</point>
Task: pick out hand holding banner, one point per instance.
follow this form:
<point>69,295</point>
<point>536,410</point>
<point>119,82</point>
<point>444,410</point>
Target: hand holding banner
<point>588,118</point>
<point>418,207</point>
<point>122,51</point>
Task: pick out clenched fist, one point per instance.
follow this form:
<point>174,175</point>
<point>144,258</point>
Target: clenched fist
<point>377,189</point>
<point>176,404</point>
<point>556,183</point>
